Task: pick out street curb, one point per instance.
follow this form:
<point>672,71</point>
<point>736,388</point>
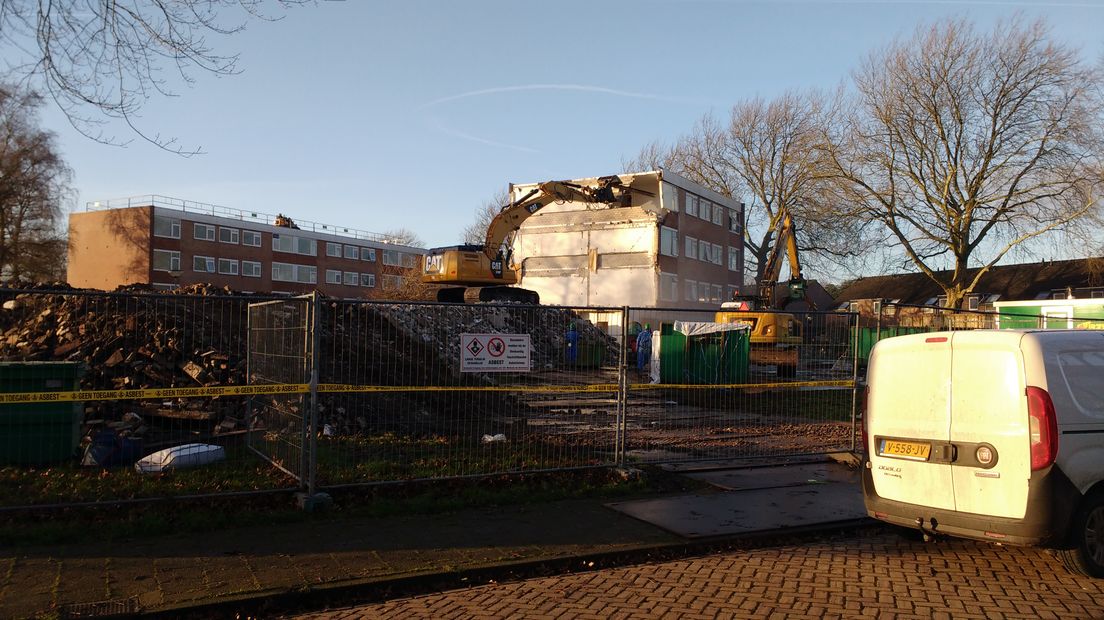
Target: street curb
<point>343,594</point>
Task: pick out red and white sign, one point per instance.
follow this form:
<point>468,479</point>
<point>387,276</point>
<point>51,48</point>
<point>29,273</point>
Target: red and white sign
<point>494,353</point>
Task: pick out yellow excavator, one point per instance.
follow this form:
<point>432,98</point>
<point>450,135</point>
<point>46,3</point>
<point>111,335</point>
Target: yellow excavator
<point>775,336</point>
<point>487,272</point>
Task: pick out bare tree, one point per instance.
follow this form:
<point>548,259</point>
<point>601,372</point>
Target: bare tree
<point>403,236</point>
<point>476,232</point>
<point>965,146</point>
<point>766,153</point>
<point>34,182</point>
<point>101,61</point>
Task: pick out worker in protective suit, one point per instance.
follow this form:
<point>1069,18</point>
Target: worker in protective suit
<point>644,348</point>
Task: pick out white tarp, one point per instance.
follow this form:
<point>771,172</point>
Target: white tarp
<point>700,328</point>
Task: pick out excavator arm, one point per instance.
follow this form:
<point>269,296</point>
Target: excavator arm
<point>500,233</point>
<point>784,241</point>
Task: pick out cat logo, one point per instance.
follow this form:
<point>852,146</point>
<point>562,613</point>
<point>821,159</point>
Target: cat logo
<point>433,263</point>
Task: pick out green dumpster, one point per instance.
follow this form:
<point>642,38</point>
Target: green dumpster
<point>703,353</point>
<point>41,432</point>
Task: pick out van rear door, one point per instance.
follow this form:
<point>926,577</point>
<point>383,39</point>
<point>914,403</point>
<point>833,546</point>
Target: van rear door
<point>908,419</point>
<point>989,424</point>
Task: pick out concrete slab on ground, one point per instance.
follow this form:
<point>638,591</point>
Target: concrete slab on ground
<point>760,500</point>
<point>774,477</point>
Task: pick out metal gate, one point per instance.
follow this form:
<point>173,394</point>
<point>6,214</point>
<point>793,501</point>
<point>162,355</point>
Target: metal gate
<point>282,350</point>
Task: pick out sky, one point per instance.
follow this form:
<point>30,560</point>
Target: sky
<point>411,114</point>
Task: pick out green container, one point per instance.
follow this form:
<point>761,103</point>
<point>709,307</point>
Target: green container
<point>39,433</point>
<point>706,359</point>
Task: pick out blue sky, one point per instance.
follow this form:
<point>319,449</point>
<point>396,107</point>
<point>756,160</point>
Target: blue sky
<point>386,115</point>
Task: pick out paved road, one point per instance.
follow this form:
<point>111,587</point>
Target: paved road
<point>879,576</point>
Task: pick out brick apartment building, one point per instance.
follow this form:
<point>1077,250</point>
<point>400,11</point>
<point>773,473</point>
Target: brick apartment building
<point>679,245</point>
<point>169,242</point>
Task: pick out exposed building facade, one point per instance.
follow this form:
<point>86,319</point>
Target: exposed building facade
<point>679,245</point>
<point>169,243</point>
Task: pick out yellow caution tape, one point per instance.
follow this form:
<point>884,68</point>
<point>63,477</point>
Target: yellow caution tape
<point>220,390</point>
<point>346,388</point>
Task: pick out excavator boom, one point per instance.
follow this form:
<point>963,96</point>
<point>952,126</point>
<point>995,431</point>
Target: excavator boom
<point>491,263</point>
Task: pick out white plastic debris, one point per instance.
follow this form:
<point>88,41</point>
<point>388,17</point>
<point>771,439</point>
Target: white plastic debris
<point>494,438</point>
<point>178,457</point>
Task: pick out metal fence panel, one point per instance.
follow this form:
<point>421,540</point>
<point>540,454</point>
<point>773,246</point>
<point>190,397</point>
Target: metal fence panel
<point>699,390</point>
<point>281,351</point>
<point>145,363</point>
<point>416,391</point>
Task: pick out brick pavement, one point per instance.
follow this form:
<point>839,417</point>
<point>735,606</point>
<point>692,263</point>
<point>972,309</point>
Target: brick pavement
<point>876,576</point>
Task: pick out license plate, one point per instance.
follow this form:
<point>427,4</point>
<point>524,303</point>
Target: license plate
<point>905,449</point>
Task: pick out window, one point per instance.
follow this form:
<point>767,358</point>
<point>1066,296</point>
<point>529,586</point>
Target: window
<point>668,287</point>
<point>1096,294</point>
<point>877,306</point>
<point>251,237</point>
<point>294,245</point>
<point>973,302</point>
<point>368,254</point>
<point>166,260</point>
<point>718,254</point>
<point>352,278</point>
<point>392,257</point>
<point>392,282</point>
<point>203,232</point>
<point>333,276</point>
<point>285,272</point>
<point>670,197</point>
<point>668,241</point>
<point>703,292</point>
<point>718,215</point>
<point>718,292</point>
<point>691,248</point>
<point>164,226</point>
<point>691,290</point>
<point>733,259</point>
<point>734,223</point>
<point>368,279</point>
<point>704,249</point>
<point>229,235</point>
<point>333,249</point>
<point>203,264</point>
<point>251,269</point>
<point>352,251</point>
<point>228,266</point>
<point>408,260</point>
<point>691,205</point>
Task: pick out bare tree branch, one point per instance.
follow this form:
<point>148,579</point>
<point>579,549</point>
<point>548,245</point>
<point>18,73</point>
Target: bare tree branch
<point>101,60</point>
<point>965,146</point>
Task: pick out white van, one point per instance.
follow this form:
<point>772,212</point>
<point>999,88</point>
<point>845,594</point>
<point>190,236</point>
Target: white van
<point>994,435</point>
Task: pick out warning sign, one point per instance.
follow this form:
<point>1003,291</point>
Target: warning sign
<point>494,353</point>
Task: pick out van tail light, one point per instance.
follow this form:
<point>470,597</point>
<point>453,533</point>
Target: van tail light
<point>1043,425</point>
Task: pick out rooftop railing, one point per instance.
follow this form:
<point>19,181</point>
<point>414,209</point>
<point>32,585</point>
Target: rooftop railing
<point>191,206</point>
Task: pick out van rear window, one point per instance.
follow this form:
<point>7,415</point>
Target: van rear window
<point>1083,372</point>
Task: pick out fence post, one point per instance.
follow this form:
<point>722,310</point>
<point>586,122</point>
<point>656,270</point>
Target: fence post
<point>855,379</point>
<point>314,333</point>
<point>622,390</point>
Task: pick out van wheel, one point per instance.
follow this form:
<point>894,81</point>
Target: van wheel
<point>1086,557</point>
